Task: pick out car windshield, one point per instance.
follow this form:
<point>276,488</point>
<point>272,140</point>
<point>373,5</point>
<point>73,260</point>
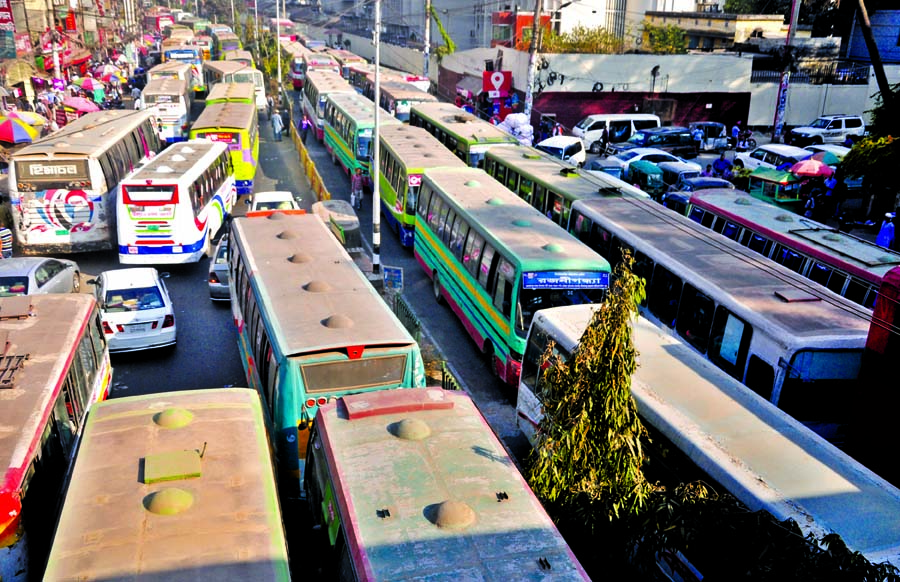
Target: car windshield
<point>820,123</point>
<point>625,156</point>
<point>555,152</point>
<point>640,138</point>
<point>583,123</point>
<point>13,286</point>
<point>282,205</point>
<point>138,299</point>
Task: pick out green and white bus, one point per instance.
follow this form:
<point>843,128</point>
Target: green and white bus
<point>406,152</point>
<point>497,261</point>
<point>548,184</point>
<point>349,126</point>
<point>461,132</point>
<point>311,328</point>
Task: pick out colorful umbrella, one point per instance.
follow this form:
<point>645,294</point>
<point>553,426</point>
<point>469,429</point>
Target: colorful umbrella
<point>14,130</point>
<point>80,104</point>
<point>108,78</point>
<point>89,83</point>
<point>29,117</point>
<point>810,168</point>
<point>827,158</point>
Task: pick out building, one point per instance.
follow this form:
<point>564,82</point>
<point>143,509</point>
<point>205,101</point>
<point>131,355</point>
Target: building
<point>717,30</point>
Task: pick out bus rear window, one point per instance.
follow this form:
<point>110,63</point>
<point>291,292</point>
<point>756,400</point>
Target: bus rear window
<point>138,194</point>
<point>343,375</point>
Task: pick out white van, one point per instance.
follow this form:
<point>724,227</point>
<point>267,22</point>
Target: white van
<point>620,126</point>
<point>565,147</point>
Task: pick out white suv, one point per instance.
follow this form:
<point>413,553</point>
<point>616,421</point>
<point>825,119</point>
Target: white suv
<point>772,155</point>
<point>828,128</point>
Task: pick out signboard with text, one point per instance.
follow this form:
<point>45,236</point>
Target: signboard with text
<point>497,84</point>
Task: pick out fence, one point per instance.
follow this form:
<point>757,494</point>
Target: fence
<point>832,75</point>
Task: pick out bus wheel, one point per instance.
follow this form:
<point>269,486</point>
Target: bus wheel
<point>489,358</point>
<point>436,288</point>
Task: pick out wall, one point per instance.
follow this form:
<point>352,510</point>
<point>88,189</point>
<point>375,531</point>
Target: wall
<point>885,26</point>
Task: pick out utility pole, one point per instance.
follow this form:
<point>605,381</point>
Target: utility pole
<point>375,150</point>
<point>278,44</point>
<point>532,61</point>
<point>233,25</point>
<point>781,100</point>
<point>427,51</point>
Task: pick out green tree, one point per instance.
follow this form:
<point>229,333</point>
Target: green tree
<point>581,40</point>
<point>449,47</point>
<point>666,40</point>
<point>587,461</point>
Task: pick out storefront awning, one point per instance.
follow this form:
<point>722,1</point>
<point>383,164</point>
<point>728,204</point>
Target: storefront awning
<point>469,87</point>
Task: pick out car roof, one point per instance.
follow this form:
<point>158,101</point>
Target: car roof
<point>20,265</point>
<point>559,141</point>
<point>828,147</point>
<point>678,166</point>
<point>272,196</point>
<point>707,180</point>
<point>644,151</point>
<point>130,278</point>
<point>783,149</point>
<point>667,129</point>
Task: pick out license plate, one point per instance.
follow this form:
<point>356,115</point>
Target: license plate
<point>137,328</point>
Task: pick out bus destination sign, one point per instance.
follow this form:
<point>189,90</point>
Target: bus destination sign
<point>565,280</point>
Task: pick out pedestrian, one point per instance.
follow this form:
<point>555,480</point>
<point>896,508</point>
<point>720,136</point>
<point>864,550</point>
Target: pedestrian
<point>720,165</point>
<point>6,240</point>
<point>135,93</point>
<point>304,127</point>
<point>735,134</point>
<point>270,106</point>
<point>697,136</point>
<point>356,189</point>
<point>604,140</point>
<point>277,125</point>
<point>886,234</point>
<point>558,129</point>
<point>708,172</point>
<point>809,206</point>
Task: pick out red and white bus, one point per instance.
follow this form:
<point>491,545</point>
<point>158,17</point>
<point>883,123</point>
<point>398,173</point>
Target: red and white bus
<point>847,265</point>
<point>158,21</point>
<point>57,366</point>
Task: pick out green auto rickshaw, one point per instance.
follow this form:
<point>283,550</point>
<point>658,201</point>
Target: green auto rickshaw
<point>648,177</point>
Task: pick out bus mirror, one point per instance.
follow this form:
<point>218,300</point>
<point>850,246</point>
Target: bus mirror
<point>92,282</point>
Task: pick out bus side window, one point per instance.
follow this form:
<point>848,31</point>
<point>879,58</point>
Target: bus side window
<point>695,315</point>
<point>708,219</point>
<point>503,286</point>
<point>617,251</point>
<point>856,290</point>
<point>730,230</point>
<point>442,225</point>
<point>512,182</point>
<point>109,173</point>
<point>789,258</point>
<point>424,199</point>
<point>730,342</point>
<point>434,213</point>
<point>472,257</point>
<point>526,187</point>
<point>531,362</point>
<point>820,273</point>
<point>486,270</point>
<point>455,241</point>
<point>760,377</point>
<point>696,214</point>
<point>538,198</point>
<point>500,173</point>
<point>445,235</point>
<point>663,296</point>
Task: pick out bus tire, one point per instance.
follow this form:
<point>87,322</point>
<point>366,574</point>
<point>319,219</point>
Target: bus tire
<point>436,288</point>
<point>489,358</point>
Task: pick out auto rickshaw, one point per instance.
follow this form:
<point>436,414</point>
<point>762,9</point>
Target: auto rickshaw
<point>783,189</point>
<point>715,136</point>
<point>648,177</point>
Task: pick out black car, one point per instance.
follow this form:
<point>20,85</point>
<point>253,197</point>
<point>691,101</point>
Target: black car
<point>675,140</point>
<point>700,183</point>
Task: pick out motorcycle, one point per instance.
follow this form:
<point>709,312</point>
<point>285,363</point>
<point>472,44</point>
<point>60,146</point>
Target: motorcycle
<point>745,141</point>
<point>112,104</point>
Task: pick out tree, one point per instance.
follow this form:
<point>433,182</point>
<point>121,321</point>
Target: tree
<point>579,40</point>
<point>666,40</point>
<point>587,460</point>
<point>449,47</point>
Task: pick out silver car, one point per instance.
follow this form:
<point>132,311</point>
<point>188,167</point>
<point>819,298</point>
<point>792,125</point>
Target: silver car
<point>38,275</point>
<point>218,272</point>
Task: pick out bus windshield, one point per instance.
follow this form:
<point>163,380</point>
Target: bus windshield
<point>533,300</point>
<point>363,142</point>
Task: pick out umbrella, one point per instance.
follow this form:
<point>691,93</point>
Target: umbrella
<point>827,158</point>
<point>29,117</point>
<point>89,83</point>
<point>109,78</point>
<point>80,104</point>
<point>810,168</point>
<point>14,130</point>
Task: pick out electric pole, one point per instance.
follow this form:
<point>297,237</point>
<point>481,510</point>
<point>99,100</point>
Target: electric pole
<point>532,61</point>
<point>887,95</point>
<point>375,150</point>
<point>427,51</point>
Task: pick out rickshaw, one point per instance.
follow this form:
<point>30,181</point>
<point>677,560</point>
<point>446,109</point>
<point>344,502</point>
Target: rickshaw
<point>782,189</point>
<point>715,136</point>
<point>648,177</point>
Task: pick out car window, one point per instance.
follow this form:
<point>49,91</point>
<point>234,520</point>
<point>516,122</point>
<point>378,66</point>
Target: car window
<point>137,299</point>
<point>852,123</point>
<point>835,124</point>
<point>42,275</point>
<point>597,125</point>
<point>53,268</point>
<point>625,156</point>
<point>573,149</point>
<point>619,130</point>
<point>222,254</point>
<point>758,154</point>
<point>644,123</point>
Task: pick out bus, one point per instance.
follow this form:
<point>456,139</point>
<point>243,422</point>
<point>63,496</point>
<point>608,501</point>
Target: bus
<point>310,326</point>
<point>204,44</point>
<point>192,55</point>
<point>303,61</point>
<point>398,97</point>
<point>461,132</point>
<point>62,187</point>
<point>848,265</point>
<point>348,127</point>
<point>158,21</point>
<point>170,485</point>
<point>235,72</point>
<point>496,261</point>
<point>237,125</point>
<point>170,209</point>
<point>169,99</point>
<point>178,70</point>
<point>415,485</point>
<point>224,41</point>
<point>292,53</point>
<point>232,93</point>
<point>57,367</point>
<point>309,42</point>
<point>798,346</point>
<point>730,437</point>
<point>406,152</point>
<point>345,58</point>
<point>549,184</point>
<point>386,75</point>
<point>319,84</point>
<point>239,56</point>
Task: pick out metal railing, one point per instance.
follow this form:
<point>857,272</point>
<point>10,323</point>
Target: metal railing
<point>834,75</point>
<point>406,316</point>
<point>449,379</point>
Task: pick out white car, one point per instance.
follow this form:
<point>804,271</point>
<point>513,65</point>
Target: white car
<point>275,200</point>
<point>654,155</point>
<point>135,309</point>
<point>38,275</point>
<point>772,155</point>
<point>564,147</point>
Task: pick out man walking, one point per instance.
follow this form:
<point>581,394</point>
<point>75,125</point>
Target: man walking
<point>735,134</point>
<point>6,240</point>
<point>356,189</point>
<point>697,136</point>
<point>277,124</point>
